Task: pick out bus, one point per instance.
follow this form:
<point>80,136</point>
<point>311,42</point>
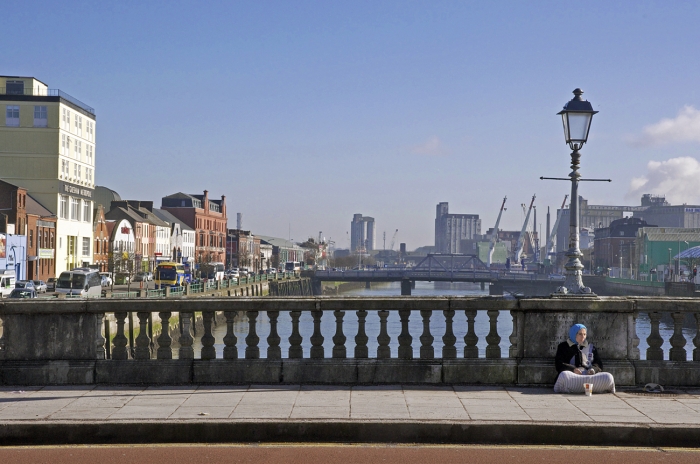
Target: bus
<point>170,275</point>
<point>292,266</point>
<point>212,271</point>
<point>80,282</point>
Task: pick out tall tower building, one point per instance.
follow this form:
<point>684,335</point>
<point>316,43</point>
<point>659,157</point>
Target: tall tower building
<point>451,229</point>
<point>47,146</point>
<point>363,234</point>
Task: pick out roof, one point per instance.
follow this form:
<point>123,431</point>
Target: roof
<point>278,242</point>
<point>104,196</point>
<point>689,253</point>
<point>169,218</point>
<point>34,207</point>
<point>690,235</point>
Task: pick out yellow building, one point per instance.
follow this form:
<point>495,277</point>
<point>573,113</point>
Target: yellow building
<point>47,145</point>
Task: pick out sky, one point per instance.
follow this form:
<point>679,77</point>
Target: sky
<point>304,113</point>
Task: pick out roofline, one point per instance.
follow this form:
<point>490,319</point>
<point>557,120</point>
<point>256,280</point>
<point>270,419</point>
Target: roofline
<point>26,77</point>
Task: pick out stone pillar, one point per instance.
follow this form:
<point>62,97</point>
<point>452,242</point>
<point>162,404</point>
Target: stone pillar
<point>167,291</point>
<point>405,338</point>
<point>405,288</point>
<point>677,352</point>
<point>120,340</point>
<point>186,351</point>
<point>252,351</point>
<point>361,338</point>
<point>208,340</point>
<point>230,340</point>
<point>143,343</point>
<point>188,290</point>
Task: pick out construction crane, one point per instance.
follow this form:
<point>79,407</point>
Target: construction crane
<point>523,232</point>
<point>550,243</point>
<point>494,235</point>
<point>393,240</point>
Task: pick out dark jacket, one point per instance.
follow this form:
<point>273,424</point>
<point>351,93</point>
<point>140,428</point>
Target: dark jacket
<point>567,350</point>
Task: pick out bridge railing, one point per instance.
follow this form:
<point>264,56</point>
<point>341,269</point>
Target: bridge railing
<point>71,333</point>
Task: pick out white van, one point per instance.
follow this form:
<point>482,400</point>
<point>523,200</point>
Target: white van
<point>83,282</point>
<point>7,282</point>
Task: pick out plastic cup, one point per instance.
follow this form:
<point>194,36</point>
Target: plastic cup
<point>588,387</point>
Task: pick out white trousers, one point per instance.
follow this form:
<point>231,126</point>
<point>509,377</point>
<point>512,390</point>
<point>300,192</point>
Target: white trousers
<point>568,382</point>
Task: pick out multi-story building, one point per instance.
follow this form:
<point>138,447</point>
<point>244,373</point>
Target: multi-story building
<point>655,249</point>
<point>48,148</point>
<point>283,250</point>
<point>181,237</point>
<point>451,229</point>
<point>363,235</point>
<point>101,234</point>
<point>243,249</point>
<point>614,246</point>
<point>22,215</point>
<point>207,218</point>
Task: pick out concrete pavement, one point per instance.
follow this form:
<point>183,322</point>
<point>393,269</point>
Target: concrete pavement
<point>459,414</point>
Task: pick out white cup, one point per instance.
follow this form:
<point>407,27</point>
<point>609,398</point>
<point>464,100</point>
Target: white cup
<point>588,387</point>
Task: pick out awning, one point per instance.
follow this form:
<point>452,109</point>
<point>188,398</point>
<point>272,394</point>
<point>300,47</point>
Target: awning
<point>690,253</point>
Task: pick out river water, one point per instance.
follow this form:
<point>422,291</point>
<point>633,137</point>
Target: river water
<point>437,325</point>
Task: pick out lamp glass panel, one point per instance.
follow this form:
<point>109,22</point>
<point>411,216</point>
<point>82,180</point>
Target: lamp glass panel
<point>578,126</point>
<point>564,120</point>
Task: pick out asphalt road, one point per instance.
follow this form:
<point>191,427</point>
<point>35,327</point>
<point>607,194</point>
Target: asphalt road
<point>341,454</point>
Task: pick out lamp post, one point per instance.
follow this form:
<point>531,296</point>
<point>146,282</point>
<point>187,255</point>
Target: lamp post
<point>576,117</point>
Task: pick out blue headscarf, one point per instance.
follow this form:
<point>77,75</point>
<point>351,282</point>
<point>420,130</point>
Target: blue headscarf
<point>574,330</point>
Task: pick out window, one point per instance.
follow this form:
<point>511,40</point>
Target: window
<point>79,125</point>
<point>86,211</point>
<point>75,121</point>
<point>80,169</point>
<point>78,150</point>
<point>14,87</point>
<point>86,246</point>
<point>88,174</point>
<point>63,207</point>
<point>68,153</point>
<point>12,115</point>
<point>40,116</point>
<point>75,170</point>
<point>31,238</point>
<point>89,153</point>
<point>65,167</point>
<point>63,144</point>
<point>75,209</point>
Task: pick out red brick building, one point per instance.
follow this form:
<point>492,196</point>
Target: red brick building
<point>28,217</point>
<point>100,233</point>
<point>208,219</point>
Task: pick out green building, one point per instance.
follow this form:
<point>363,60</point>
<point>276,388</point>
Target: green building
<point>656,247</point>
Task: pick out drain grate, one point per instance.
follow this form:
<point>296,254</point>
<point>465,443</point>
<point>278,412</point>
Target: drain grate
<point>665,394</point>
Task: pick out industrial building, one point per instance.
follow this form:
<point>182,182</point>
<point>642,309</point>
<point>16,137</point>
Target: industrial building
<point>363,235</point>
<point>451,229</point>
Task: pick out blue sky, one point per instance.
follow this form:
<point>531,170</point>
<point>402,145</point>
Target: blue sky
<point>304,113</point>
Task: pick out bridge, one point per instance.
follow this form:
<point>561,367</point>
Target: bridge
<point>443,268</point>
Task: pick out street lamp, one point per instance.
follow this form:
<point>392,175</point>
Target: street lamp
<point>576,117</point>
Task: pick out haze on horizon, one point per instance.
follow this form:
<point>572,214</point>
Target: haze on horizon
<point>304,113</point>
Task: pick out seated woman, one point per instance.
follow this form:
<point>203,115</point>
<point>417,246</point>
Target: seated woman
<point>577,362</point>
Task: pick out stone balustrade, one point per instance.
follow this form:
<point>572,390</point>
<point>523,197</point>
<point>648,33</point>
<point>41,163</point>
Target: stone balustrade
<point>66,342</point>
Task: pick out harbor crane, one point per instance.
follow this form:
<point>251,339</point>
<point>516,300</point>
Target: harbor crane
<point>523,232</point>
<point>553,235</point>
<point>494,235</point>
<point>393,240</point>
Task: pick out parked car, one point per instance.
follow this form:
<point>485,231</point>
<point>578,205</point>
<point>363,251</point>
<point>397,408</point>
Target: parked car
<point>25,284</point>
<point>272,270</point>
<point>140,277</point>
<point>149,276</point>
<point>23,293</point>
<point>106,278</point>
<point>51,284</point>
<point>40,285</point>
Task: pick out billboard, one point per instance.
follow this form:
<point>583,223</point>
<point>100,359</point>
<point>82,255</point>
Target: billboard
<point>3,246</point>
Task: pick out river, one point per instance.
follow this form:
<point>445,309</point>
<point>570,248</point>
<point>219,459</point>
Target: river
<point>437,325</point>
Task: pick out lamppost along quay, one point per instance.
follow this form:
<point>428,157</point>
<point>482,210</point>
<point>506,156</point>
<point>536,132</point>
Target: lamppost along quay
<point>576,117</point>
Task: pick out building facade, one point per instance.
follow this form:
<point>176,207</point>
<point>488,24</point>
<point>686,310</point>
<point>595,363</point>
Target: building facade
<point>101,234</point>
<point>451,229</point>
<point>655,249</point>
<point>49,148</point>
<point>363,234</point>
<point>614,247</point>
<point>181,237</point>
<point>207,218</point>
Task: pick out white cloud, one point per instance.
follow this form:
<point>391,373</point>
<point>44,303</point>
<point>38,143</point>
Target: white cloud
<point>431,147</point>
<point>676,178</point>
<point>683,128</point>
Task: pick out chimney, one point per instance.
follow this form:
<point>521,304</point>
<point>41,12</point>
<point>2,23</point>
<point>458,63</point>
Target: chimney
<point>205,206</point>
<point>239,221</point>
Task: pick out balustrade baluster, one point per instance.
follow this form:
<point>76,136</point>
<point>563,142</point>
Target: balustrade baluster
<point>273,340</point>
<point>252,351</point>
<point>677,352</point>
<point>165,340</point>
<point>361,339</point>
<point>427,351</point>
<point>208,340</point>
<point>339,338</point>
<point>449,351</point>
<point>186,351</point>
<point>696,340</point>
<point>654,340</point>
<point>470,339</point>
<point>513,338</point>
<point>143,343</point>
<point>493,349</point>
<point>634,345</point>
<point>230,339</point>
<point>295,339</point>
<point>119,351</point>
<point>383,339</point>
<point>405,338</point>
<point>99,339</point>
<point>317,337</point>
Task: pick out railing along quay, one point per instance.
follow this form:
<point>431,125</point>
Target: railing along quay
<point>68,342</point>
